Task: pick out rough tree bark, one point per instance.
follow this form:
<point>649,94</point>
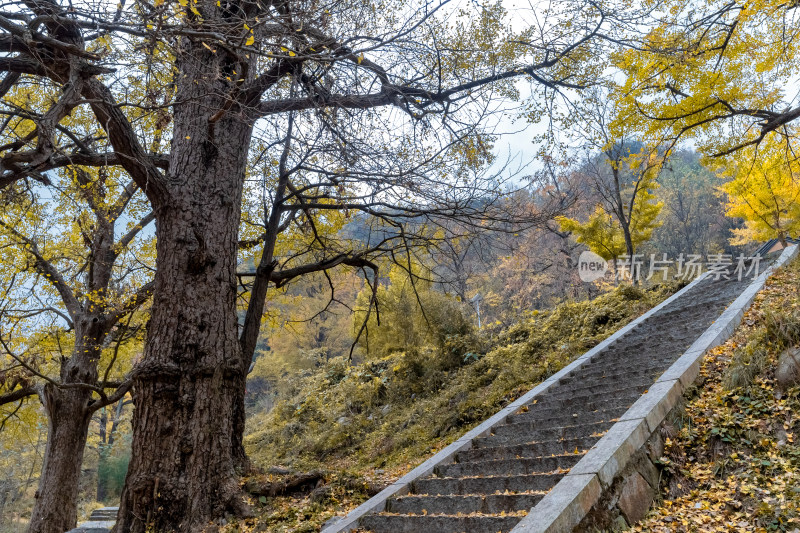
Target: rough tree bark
<point>68,417</point>
<point>182,473</point>
<point>56,506</point>
<point>69,400</point>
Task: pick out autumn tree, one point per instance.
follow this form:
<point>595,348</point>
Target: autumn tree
<point>413,315</point>
<point>23,444</point>
<point>327,197</point>
<point>598,232</point>
<point>173,92</point>
<point>765,193</point>
<point>722,74</point>
<point>620,174</point>
<point>73,281</point>
<point>527,269</point>
<point>693,218</point>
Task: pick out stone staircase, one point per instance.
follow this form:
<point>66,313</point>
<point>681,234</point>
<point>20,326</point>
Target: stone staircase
<point>100,521</point>
<point>494,484</point>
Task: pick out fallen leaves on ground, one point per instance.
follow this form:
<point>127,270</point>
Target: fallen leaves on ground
<point>731,462</point>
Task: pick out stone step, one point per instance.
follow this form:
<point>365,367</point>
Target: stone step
<point>464,504</point>
<point>386,523</point>
<point>647,351</point>
<point>508,435</point>
<point>566,417</point>
<point>509,467</point>
<point>611,372</point>
<point>104,513</point>
<point>701,309</point>
<point>650,363</point>
<point>631,346</point>
<point>94,526</point>
<point>625,364</point>
<point>640,352</point>
<point>485,484</point>
<point>529,450</point>
<point>569,430</point>
<point>588,403</point>
<point>600,386</point>
<point>597,375</point>
<point>665,329</point>
<point>665,326</point>
<point>588,400</point>
<point>707,304</point>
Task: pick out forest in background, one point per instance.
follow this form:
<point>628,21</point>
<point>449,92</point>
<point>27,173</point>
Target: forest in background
<point>514,274</point>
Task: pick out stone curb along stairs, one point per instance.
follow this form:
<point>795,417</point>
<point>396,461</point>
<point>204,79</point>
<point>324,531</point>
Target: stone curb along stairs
<point>517,470</point>
<point>564,507</point>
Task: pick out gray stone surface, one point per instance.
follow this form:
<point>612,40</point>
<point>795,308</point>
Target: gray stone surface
<point>485,484</point>
<point>613,451</point>
<point>464,504</point>
<point>788,372</point>
<point>94,526</point>
<point>563,507</point>
<point>685,369</point>
<point>619,524</point>
<point>439,523</point>
<point>655,404</point>
<point>100,521</point>
<point>635,498</point>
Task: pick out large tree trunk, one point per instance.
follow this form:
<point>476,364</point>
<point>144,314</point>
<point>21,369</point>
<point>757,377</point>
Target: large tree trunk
<point>182,472</point>
<point>633,270</point>
<point>68,417</point>
<point>56,506</point>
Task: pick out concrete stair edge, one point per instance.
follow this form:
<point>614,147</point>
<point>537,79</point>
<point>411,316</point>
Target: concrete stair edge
<point>402,486</point>
<point>572,498</point>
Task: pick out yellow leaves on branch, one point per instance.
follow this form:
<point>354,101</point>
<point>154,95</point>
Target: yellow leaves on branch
<point>602,231</point>
<point>701,61</point>
<point>764,190</point>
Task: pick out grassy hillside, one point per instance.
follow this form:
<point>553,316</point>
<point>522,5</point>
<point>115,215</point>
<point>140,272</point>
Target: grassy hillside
<point>732,462</point>
<point>357,428</point>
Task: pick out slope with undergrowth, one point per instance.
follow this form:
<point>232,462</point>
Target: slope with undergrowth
<point>380,418</point>
<point>732,459</point>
